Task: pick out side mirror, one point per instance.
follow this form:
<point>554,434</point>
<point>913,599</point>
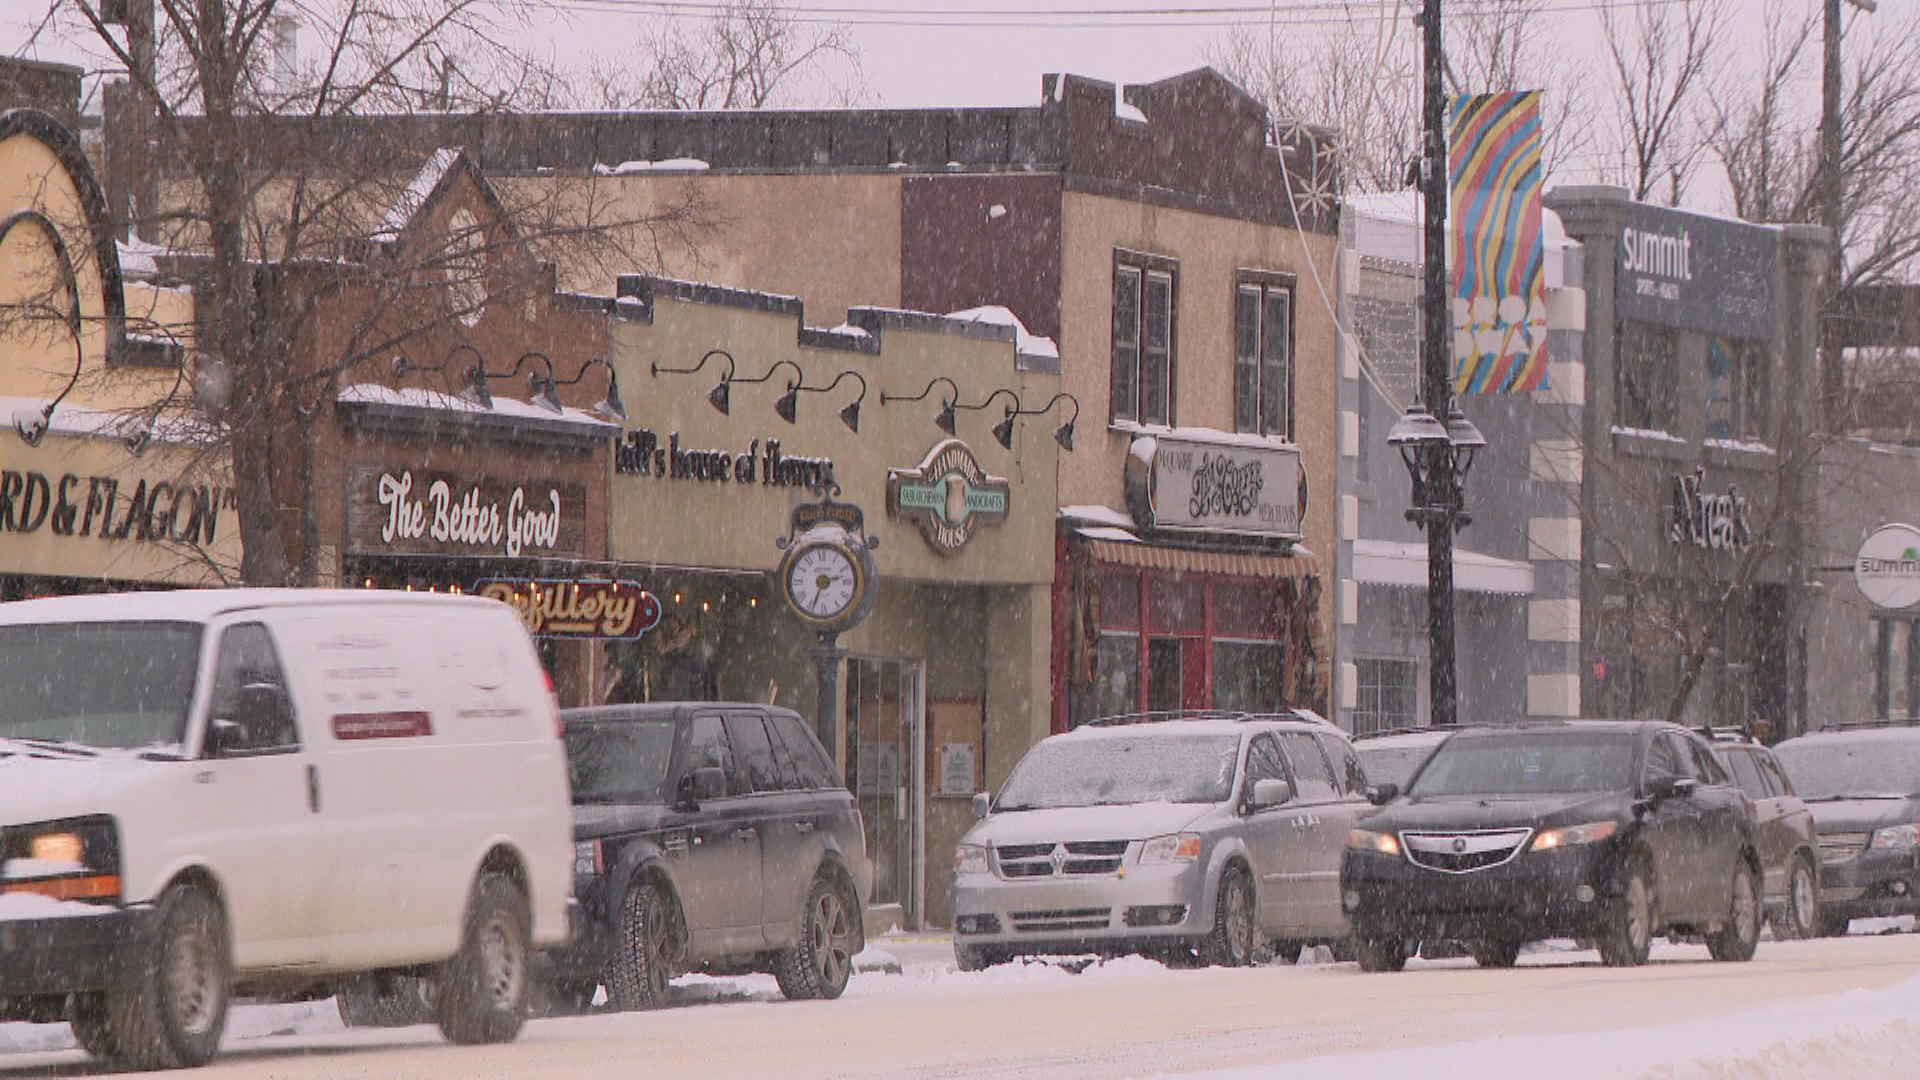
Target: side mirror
<point>1670,787</point>
<point>982,802</point>
<point>1382,794</point>
<point>223,738</point>
<point>259,713</point>
<point>699,786</point>
<point>1270,793</point>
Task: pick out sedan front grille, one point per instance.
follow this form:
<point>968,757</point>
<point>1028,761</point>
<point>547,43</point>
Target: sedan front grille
<point>1080,857</point>
<point>1048,922</point>
<point>1464,852</point>
<point>1839,847</point>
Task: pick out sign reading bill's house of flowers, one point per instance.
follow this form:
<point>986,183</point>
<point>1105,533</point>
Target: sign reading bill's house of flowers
<point>948,496</point>
<point>394,511</point>
<point>1223,484</point>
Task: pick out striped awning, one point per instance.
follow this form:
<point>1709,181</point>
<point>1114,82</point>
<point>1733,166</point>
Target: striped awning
<point>1147,556</point>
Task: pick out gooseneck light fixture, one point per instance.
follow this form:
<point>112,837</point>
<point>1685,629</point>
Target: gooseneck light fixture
<point>718,397</point>
<point>540,386</point>
<point>138,438</point>
<point>1003,431</point>
<point>32,427</point>
<point>956,406</point>
<point>944,418</point>
<point>767,376</point>
<point>788,407</point>
<point>610,405</point>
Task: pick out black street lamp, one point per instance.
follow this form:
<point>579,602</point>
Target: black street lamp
<point>1438,454</point>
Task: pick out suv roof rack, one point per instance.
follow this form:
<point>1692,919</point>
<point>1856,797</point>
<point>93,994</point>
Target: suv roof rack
<point>1882,722</point>
<point>1307,716</point>
<point>1724,734</point>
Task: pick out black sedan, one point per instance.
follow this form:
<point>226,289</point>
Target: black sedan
<point>1607,831</point>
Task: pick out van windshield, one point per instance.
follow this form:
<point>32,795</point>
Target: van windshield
<point>1120,770</point>
<point>624,762</point>
<point>109,685</point>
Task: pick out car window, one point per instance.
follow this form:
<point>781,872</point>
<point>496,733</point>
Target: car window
<point>1528,763</point>
<point>752,754</point>
<point>708,748</point>
<point>1094,767</point>
<point>1878,765</point>
<point>1746,773</point>
<point>1776,776</point>
<point>1346,763</point>
<point>1264,761</point>
<point>816,772</point>
<point>789,772</point>
<point>622,761</point>
<point>1663,761</point>
<point>1312,777</point>
<point>1706,764</point>
<point>247,658</point>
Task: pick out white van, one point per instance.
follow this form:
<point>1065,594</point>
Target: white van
<point>268,792</point>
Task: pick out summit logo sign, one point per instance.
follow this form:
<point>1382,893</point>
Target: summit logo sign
<point>1887,567</point>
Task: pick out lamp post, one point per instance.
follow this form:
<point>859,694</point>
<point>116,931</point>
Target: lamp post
<point>1437,453</point>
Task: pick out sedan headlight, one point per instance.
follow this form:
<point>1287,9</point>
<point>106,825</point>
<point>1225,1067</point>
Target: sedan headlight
<point>1896,838</point>
<point>1378,843</point>
<point>1573,835</point>
<point>971,859</point>
<point>1180,847</point>
<point>74,859</point>
<point>587,859</point>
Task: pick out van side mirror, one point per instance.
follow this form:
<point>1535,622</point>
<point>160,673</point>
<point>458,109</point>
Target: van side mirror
<point>1270,793</point>
<point>261,717</point>
<point>224,738</point>
<point>700,785</point>
<point>1382,794</point>
<point>982,803</point>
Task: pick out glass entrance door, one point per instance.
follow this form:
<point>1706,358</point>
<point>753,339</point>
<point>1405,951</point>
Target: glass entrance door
<point>886,728</point>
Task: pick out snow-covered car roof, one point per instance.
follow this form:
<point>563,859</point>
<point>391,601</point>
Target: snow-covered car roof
<point>202,605</point>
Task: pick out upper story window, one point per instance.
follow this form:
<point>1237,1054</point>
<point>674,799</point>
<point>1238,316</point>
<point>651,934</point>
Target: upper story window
<point>1263,354</point>
<point>1143,303</point>
<point>1739,394</point>
<point>1648,378</point>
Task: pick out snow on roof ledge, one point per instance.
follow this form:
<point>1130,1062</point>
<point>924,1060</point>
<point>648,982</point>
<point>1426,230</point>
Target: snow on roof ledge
<point>419,398</point>
<point>1028,344</point>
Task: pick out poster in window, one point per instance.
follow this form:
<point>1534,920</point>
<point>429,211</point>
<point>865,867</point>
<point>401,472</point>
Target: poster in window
<point>956,768</point>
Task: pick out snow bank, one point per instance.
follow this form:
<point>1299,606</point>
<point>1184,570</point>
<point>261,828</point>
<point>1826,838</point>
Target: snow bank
<point>1855,1034</point>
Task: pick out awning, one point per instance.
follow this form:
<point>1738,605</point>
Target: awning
<point>1386,562</point>
<point>1145,556</point>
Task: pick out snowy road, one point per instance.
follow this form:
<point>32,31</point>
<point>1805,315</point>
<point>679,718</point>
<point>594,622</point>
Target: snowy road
<point>1803,1010</point>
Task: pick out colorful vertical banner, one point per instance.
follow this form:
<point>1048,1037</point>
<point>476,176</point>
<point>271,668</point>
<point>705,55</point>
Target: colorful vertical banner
<point>1499,321</point>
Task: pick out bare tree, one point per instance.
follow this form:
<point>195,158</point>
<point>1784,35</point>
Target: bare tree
<point>281,189</point>
<point>746,54</point>
<point>1663,54</point>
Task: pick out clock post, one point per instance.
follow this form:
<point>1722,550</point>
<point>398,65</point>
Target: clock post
<point>828,579</point>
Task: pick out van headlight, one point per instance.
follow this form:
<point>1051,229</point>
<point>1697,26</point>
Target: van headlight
<point>72,859</point>
<point>1896,838</point>
<point>587,859</point>
<point>971,859</point>
<point>1180,847</point>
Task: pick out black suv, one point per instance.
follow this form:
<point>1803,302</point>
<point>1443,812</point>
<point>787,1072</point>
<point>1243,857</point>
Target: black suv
<point>1863,785</point>
<point>1607,831</point>
<point>708,837</point>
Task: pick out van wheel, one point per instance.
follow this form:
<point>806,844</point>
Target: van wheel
<point>482,992</point>
<point>1231,943</point>
<point>88,1015</point>
<point>1801,916</point>
<point>821,963</point>
<point>1737,940</point>
<point>1628,937</point>
<point>642,960</point>
<point>169,1010</point>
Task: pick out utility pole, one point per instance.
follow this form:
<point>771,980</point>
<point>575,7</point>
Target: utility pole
<point>1437,378</point>
<point>1832,215</point>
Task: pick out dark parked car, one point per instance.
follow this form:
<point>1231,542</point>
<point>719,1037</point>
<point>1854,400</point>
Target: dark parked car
<point>1392,757</point>
<point>1863,786</point>
<point>1608,831</point>
<point>709,837</point>
<point>1783,828</point>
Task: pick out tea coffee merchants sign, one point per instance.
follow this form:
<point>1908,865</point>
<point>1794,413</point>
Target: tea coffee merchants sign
<point>415,512</point>
<point>1224,484</point>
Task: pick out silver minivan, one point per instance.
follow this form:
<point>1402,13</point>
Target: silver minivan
<point>1188,837</point>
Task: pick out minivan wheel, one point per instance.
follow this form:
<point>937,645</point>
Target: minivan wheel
<point>1380,954</point>
<point>1737,940</point>
<point>1628,937</point>
<point>976,957</point>
<point>642,962</point>
<point>1231,943</point>
<point>171,1007</point>
<point>482,992</point>
<point>1800,918</point>
<point>821,963</point>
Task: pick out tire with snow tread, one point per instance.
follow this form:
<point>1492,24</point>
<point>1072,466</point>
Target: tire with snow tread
<point>642,960</point>
<point>1800,918</point>
<point>481,995</point>
<point>820,964</point>
<point>1740,936</point>
<point>169,1009</point>
<point>88,1016</point>
<point>1628,937</point>
<point>1232,940</point>
<point>976,957</point>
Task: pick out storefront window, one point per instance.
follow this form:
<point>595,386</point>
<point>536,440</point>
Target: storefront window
<point>1738,399</point>
<point>1388,698</point>
<point>1895,644</point>
<point>1116,676</point>
<point>1165,674</point>
<point>1176,606</point>
<point>1649,376</point>
<point>1248,675</point>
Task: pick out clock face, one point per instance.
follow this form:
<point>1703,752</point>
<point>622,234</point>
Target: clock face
<point>823,582</point>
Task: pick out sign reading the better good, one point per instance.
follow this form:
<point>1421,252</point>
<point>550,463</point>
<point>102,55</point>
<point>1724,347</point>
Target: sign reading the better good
<point>415,512</point>
<point>1887,569</point>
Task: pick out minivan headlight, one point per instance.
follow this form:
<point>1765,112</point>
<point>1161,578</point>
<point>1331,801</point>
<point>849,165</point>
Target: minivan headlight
<point>1179,847</point>
<point>1896,838</point>
<point>1573,835</point>
<point>970,859</point>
